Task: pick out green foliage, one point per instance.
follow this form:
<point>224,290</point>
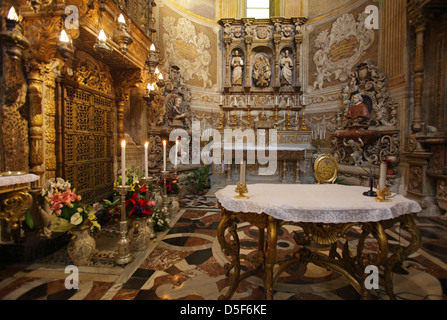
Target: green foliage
<point>199,178</point>
<point>29,220</point>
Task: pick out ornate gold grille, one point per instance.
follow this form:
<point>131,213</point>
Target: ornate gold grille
<point>88,142</point>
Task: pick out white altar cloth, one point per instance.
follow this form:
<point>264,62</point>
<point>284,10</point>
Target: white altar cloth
<point>315,203</point>
<point>17,179</point>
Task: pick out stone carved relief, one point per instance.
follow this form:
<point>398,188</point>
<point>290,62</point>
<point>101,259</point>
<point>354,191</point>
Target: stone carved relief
<point>262,71</point>
<point>186,49</point>
<point>341,49</point>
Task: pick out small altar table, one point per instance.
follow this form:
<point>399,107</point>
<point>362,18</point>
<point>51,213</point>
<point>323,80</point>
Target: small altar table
<point>325,213</point>
<point>15,200</point>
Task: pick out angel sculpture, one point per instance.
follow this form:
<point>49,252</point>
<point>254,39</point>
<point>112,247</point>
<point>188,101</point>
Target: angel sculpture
<point>357,150</point>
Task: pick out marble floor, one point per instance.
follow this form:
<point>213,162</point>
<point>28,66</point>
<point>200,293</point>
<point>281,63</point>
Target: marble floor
<point>186,263</point>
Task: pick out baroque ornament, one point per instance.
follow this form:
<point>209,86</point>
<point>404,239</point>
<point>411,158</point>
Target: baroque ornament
<point>186,49</point>
<point>341,49</point>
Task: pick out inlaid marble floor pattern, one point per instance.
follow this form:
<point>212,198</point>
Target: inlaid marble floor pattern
<point>186,263</point>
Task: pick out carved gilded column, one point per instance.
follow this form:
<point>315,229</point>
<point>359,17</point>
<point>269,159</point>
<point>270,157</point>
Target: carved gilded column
<point>35,80</point>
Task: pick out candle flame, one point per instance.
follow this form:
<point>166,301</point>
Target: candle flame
<point>102,36</point>
<point>146,144</point>
<point>123,143</point>
<point>64,37</point>
<point>12,14</point>
<point>160,76</point>
<point>164,142</point>
<point>121,19</point>
<point>152,47</point>
<point>157,71</point>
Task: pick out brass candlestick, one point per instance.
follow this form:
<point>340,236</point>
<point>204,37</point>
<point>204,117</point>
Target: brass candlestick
<point>123,255</point>
<point>288,126</point>
<point>275,126</point>
<point>164,208</point>
<point>221,124</point>
<point>248,117</point>
<point>303,120</point>
<point>234,126</point>
<point>382,194</point>
<point>241,189</point>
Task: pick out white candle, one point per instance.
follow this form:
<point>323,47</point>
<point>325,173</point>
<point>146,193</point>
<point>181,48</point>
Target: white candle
<point>243,171</point>
<point>176,150</point>
<point>164,155</point>
<point>382,178</point>
<point>123,162</point>
<point>276,100</point>
<point>146,145</point>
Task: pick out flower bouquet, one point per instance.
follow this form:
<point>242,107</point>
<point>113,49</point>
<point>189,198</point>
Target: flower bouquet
<point>67,207</point>
<point>172,186</point>
<point>138,207</point>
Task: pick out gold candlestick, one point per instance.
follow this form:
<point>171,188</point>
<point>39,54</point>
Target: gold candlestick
<point>234,119</point>
<point>288,125</point>
<point>382,194</point>
<point>221,125</point>
<point>303,120</point>
<point>123,255</point>
<point>248,118</point>
<point>241,189</point>
<point>275,126</point>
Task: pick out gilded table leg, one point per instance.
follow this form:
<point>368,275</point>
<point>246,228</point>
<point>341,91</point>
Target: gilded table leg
<point>400,254</point>
<point>232,249</point>
<point>272,237</point>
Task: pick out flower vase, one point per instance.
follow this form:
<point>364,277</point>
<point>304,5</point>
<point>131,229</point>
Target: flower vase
<point>173,204</point>
<point>47,217</point>
<point>82,246</point>
<point>139,234</point>
<point>158,198</point>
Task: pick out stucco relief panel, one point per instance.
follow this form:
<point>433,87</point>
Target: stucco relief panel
<point>188,49</point>
<point>339,49</point>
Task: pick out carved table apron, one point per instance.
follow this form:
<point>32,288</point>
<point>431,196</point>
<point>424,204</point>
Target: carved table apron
<point>271,206</point>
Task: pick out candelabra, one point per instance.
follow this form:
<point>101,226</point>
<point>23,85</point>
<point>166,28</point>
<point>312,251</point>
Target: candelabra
<point>123,255</point>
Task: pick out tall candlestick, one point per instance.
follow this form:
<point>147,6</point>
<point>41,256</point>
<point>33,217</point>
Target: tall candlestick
<point>382,178</point>
<point>123,162</point>
<point>176,150</point>
<point>146,145</point>
<point>164,155</point>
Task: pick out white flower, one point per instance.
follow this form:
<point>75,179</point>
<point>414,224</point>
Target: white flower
<point>76,218</point>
